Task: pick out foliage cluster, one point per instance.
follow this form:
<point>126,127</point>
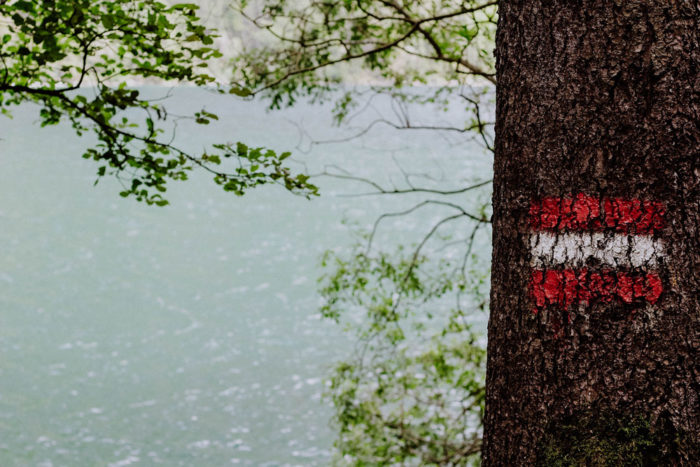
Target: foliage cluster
<point>413,390</point>
<point>73,59</point>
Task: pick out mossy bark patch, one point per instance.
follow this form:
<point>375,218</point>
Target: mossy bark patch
<point>604,439</point>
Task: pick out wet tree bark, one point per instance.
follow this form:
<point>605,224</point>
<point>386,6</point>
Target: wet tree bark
<point>594,334</point>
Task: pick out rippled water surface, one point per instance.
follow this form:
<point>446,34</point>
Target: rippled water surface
<point>185,335</point>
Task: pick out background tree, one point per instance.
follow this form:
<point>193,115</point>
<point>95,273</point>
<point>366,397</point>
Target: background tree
<point>414,389</point>
<point>73,58</point>
<point>594,345</point>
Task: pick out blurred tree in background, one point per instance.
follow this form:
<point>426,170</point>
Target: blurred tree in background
<point>413,392</point>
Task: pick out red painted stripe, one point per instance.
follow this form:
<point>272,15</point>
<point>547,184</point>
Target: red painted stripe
<point>562,288</point>
<point>584,212</point>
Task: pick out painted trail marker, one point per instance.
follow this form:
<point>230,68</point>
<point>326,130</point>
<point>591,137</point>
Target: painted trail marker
<point>586,249</point>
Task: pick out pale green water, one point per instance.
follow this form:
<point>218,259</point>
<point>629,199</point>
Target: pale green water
<point>186,335</point>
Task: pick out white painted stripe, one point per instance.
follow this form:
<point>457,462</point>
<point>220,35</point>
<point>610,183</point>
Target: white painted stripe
<point>578,249</point>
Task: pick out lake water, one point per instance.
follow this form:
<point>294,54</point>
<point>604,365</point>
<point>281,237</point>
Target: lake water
<point>185,335</point>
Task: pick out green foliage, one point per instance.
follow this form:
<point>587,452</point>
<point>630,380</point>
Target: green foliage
<point>413,393</point>
<point>51,50</point>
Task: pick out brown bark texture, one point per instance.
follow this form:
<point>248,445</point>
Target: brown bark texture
<point>598,137</point>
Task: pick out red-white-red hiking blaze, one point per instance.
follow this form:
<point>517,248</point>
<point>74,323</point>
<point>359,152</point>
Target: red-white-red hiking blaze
<point>586,249</point>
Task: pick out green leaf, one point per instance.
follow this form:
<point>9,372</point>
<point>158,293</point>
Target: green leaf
<point>108,21</point>
<point>239,91</point>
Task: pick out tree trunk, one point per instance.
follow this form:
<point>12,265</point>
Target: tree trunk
<point>594,334</point>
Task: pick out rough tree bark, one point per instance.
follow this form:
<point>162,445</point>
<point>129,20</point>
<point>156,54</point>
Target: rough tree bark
<point>594,335</point>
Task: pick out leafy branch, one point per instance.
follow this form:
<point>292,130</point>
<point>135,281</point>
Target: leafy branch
<point>72,58</point>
